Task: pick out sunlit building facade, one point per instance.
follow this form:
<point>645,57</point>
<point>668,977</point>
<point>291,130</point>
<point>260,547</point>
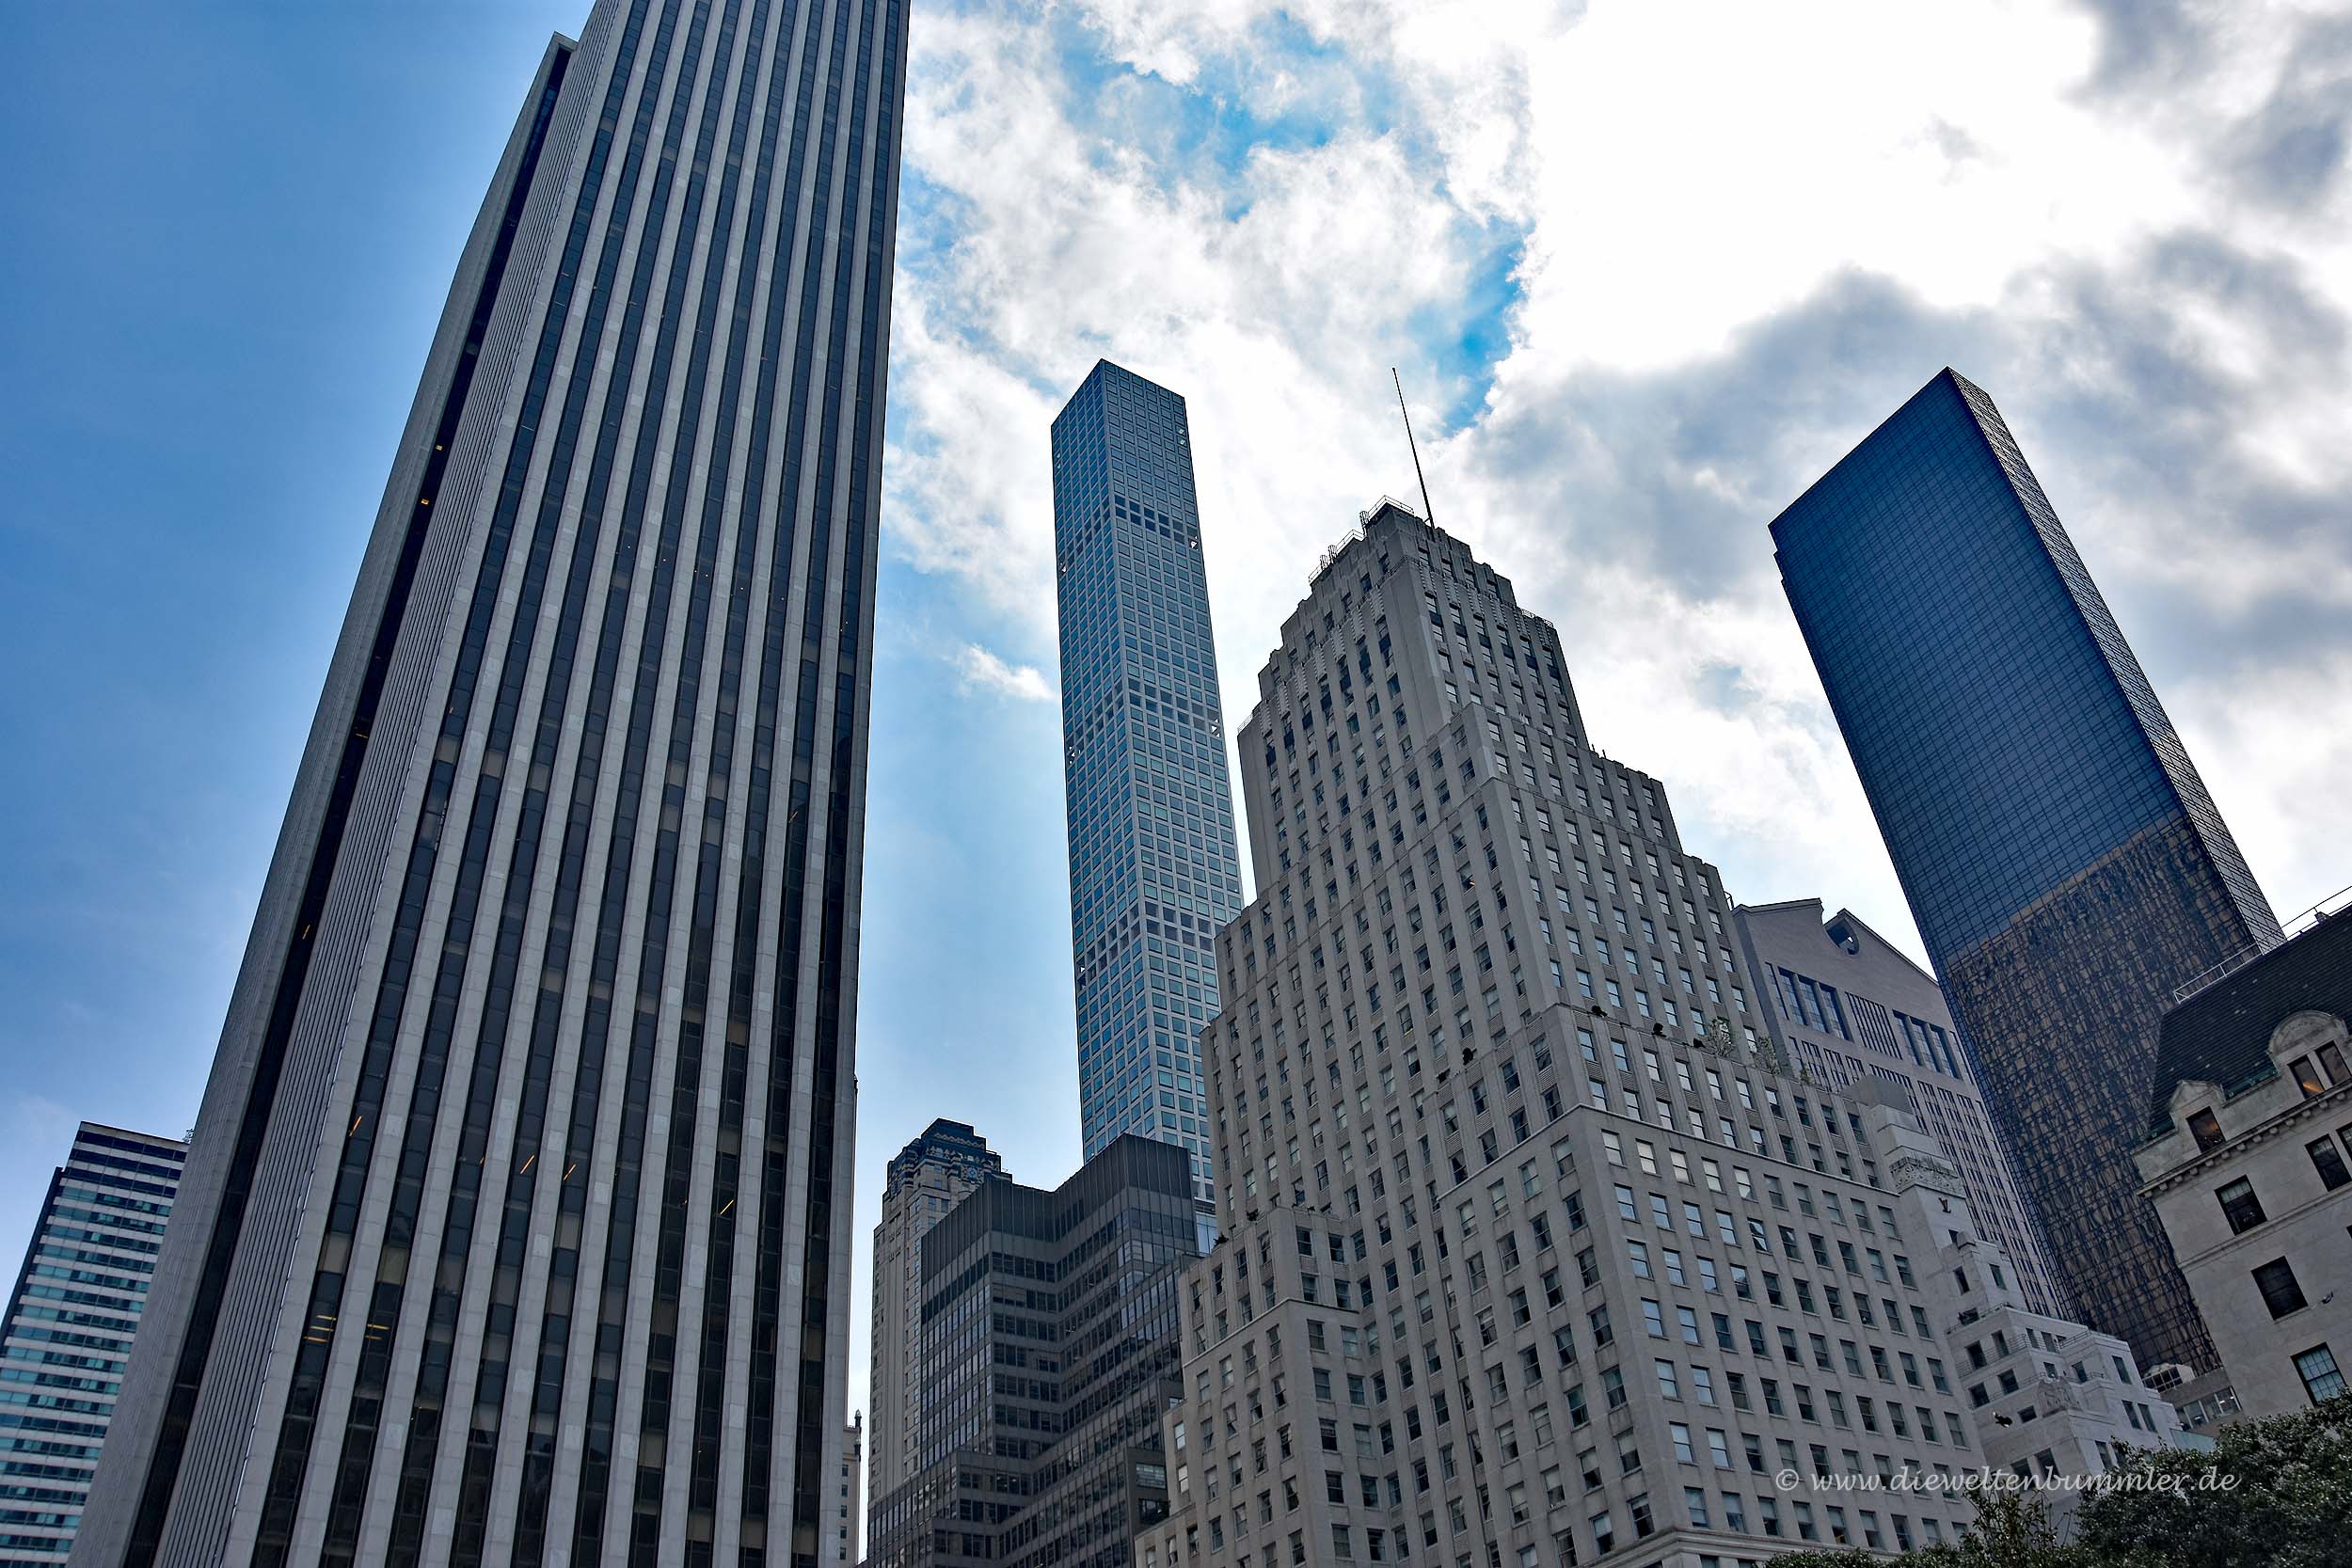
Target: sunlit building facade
<point>516,1226</point>
<point>1532,1249</point>
<point>1154,868</point>
<point>2249,1163</point>
<point>87,1282</point>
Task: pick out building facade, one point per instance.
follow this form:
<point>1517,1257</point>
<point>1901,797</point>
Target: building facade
<point>2248,1164</point>
<point>517,1227</point>
<point>2061,857</point>
<point>1154,868</point>
<point>1049,1356</point>
<point>926,1180</point>
<point>2046,1395</point>
<point>1849,1006</point>
<point>1530,1249</point>
<point>79,1299</point>
<point>844,1539</point>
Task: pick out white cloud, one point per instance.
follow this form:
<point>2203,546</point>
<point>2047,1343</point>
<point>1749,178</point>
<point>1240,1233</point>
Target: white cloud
<point>2283,753</point>
<point>981,671</point>
<point>1273,294</point>
<point>1678,196</point>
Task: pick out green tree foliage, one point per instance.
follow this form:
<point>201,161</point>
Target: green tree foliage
<point>2273,1494</point>
<point>2290,1506</point>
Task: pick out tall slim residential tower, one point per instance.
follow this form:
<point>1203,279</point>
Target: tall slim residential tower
<point>86,1285</point>
<point>1155,871</point>
<point>518,1224</point>
<point>1848,1006</point>
<point>2061,857</point>
<point>925,1179</point>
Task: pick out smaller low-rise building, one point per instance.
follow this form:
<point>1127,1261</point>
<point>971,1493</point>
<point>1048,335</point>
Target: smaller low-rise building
<point>2049,1397</point>
<point>843,1537</point>
<point>925,1179</point>
<point>2248,1164</point>
<point>2204,1401</point>
<point>1049,1352</point>
<point>1848,1007</point>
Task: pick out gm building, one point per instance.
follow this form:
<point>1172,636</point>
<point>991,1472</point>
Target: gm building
<point>516,1226</point>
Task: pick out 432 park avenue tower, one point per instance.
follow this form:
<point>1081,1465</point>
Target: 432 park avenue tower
<point>518,1218</point>
<point>1154,868</point>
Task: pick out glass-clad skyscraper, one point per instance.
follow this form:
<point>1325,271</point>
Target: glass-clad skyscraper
<point>1155,869</point>
<point>88,1279</point>
<point>2064,863</point>
<point>516,1226</point>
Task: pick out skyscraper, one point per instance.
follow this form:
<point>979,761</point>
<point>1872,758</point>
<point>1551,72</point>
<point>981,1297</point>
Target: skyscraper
<point>1848,1005</point>
<point>83,1289</point>
<point>1049,1357</point>
<point>2061,858</point>
<point>926,1180</point>
<point>517,1227</point>
<point>1532,1251</point>
<point>1155,870</point>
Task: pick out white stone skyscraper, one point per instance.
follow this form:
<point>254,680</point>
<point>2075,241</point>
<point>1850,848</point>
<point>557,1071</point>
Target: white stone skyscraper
<point>1851,1005</point>
<point>515,1227</point>
<point>1532,1248</point>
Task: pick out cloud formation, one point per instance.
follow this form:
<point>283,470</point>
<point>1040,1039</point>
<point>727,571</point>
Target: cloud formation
<point>1648,270</point>
<point>981,671</point>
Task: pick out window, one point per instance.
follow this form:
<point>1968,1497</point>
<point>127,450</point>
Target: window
<point>2329,1164</point>
<point>2240,1205</point>
<point>2321,1378</point>
<point>2205,1128</point>
<point>2281,1294</point>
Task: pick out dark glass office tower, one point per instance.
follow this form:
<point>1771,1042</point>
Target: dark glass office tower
<point>2061,857</point>
<point>516,1224</point>
<point>1155,870</point>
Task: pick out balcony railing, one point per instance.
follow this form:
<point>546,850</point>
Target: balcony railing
<point>2338,902</point>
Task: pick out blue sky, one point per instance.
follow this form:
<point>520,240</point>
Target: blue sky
<point>1647,269</point>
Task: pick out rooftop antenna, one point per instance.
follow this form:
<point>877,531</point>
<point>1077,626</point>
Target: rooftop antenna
<point>1428,512</point>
